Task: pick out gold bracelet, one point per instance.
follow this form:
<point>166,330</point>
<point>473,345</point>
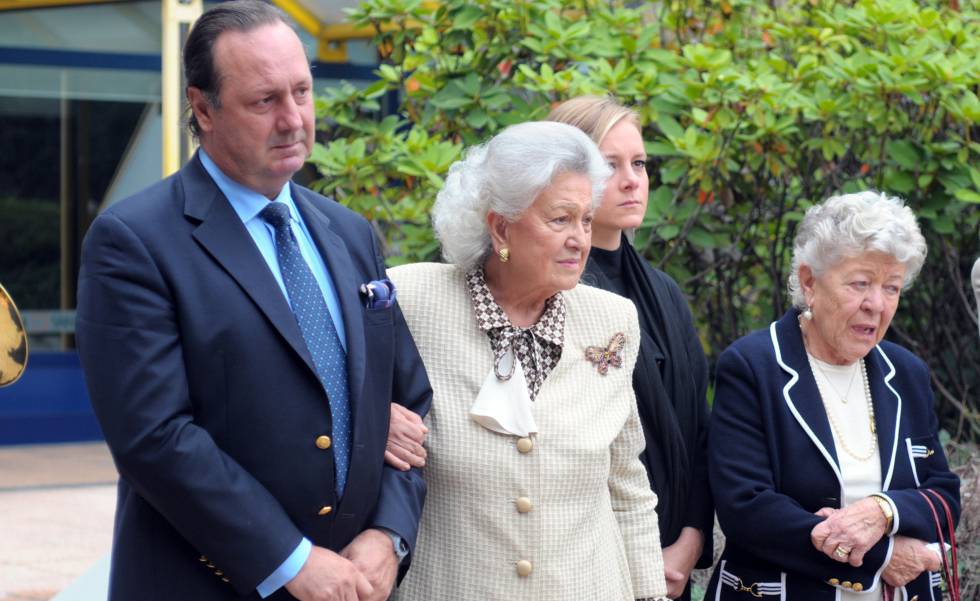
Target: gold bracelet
<point>886,508</point>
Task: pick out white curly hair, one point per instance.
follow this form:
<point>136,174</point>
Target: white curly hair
<point>849,225</point>
<point>505,175</point>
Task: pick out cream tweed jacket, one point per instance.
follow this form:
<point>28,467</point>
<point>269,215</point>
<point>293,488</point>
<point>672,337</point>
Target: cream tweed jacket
<point>576,508</point>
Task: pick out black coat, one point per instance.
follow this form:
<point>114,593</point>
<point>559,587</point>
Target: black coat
<point>670,382</point>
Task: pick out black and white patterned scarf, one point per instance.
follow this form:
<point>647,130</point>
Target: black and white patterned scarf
<point>538,347</point>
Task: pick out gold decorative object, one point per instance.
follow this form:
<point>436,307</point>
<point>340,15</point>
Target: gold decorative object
<point>13,341</point>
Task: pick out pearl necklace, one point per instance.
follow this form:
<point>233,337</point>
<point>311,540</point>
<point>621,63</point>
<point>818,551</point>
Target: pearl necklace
<point>833,423</point>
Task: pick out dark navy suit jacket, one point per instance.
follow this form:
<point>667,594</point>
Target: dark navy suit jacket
<point>209,399</point>
<point>772,464</point>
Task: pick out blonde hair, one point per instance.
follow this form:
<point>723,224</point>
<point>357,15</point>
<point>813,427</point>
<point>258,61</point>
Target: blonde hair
<point>595,115</point>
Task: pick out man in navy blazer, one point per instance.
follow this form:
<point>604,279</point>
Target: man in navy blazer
<point>200,373</point>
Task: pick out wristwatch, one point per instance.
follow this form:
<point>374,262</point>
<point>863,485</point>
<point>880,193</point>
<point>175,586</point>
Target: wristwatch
<point>886,508</point>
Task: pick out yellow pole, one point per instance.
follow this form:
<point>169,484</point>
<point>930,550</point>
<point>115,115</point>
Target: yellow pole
<point>177,18</point>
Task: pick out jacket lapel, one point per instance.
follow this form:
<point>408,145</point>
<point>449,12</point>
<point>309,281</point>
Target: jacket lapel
<point>334,252</point>
<point>888,410</point>
<point>225,238</point>
<point>800,393</point>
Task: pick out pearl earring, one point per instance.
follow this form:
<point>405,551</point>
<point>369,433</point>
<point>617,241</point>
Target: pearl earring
<point>808,313</point>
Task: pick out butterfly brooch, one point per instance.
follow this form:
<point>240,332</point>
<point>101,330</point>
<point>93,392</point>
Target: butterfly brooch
<point>612,354</point>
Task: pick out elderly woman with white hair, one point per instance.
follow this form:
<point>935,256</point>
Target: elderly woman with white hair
<point>823,435</point>
<point>535,486</point>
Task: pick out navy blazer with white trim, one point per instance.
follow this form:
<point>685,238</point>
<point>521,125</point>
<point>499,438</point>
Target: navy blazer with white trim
<point>773,464</point>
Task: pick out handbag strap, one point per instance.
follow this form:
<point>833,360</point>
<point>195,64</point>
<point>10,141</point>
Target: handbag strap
<point>940,535</point>
<point>951,528</point>
<point>951,576</point>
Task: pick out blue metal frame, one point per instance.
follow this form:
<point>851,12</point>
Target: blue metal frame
<point>343,71</point>
<point>83,59</point>
<point>43,57</point>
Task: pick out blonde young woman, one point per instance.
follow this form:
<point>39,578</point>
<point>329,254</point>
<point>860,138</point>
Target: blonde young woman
<point>671,375</point>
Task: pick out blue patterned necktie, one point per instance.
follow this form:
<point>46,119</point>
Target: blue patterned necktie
<point>318,330</point>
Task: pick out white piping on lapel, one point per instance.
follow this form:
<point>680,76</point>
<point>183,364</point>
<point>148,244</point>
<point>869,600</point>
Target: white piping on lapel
<point>789,402</point>
<point>915,472</point>
<point>898,416</point>
<point>792,407</point>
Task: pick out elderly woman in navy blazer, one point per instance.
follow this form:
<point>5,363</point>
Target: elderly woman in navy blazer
<point>822,433</point>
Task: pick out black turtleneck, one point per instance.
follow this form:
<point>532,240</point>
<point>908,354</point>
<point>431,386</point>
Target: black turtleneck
<point>670,381</point>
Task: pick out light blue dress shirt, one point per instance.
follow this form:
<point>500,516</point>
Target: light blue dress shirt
<point>248,203</point>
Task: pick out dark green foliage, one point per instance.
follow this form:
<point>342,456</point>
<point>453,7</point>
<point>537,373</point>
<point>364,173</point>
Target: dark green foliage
<point>752,114</point>
<point>30,254</point>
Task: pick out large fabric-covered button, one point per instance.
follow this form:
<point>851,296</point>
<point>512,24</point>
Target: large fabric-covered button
<point>524,568</point>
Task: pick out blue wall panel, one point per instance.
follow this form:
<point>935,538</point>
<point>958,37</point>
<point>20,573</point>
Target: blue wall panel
<point>48,404</point>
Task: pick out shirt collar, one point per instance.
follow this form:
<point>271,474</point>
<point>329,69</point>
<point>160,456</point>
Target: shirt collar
<point>246,202</point>
<point>489,316</point>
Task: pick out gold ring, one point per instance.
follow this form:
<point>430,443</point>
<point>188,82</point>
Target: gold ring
<point>841,551</point>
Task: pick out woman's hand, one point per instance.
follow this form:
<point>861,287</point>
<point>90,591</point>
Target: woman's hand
<point>910,557</point>
<point>847,534</point>
<point>406,433</point>
<point>679,560</point>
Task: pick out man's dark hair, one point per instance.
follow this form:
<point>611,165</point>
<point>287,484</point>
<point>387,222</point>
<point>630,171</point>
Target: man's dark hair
<point>199,69</point>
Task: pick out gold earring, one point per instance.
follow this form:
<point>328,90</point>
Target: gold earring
<point>504,254</point>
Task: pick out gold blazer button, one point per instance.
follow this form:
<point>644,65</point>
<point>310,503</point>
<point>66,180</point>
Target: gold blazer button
<point>323,442</point>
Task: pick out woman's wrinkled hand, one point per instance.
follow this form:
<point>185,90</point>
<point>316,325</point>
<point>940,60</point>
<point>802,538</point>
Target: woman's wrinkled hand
<point>910,557</point>
<point>680,558</point>
<point>406,433</point>
<point>846,534</point>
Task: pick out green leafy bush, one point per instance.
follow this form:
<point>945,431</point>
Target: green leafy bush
<point>753,112</point>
